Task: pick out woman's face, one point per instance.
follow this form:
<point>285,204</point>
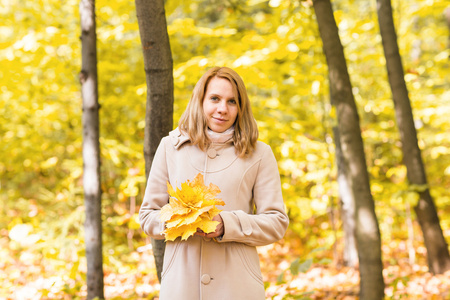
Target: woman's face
<point>219,105</point>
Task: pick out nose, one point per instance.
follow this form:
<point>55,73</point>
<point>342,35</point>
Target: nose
<point>222,107</point>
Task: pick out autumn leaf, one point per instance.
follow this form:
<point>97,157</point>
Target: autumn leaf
<point>190,208</point>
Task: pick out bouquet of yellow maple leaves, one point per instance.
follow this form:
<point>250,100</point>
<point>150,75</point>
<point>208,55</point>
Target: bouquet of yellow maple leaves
<point>191,208</point>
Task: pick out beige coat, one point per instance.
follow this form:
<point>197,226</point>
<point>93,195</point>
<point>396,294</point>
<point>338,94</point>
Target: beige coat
<point>254,215</point>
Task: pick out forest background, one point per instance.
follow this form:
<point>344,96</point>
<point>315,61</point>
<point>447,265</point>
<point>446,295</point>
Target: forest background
<point>275,46</point>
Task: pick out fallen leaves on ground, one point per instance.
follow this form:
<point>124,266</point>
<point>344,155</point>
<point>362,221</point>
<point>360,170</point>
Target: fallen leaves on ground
<point>27,275</point>
<point>331,281</point>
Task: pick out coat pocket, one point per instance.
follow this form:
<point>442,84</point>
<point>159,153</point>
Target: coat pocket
<point>250,260</point>
<point>169,256</point>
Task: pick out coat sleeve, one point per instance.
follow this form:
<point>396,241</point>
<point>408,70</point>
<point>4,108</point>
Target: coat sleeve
<point>156,195</point>
<point>270,221</point>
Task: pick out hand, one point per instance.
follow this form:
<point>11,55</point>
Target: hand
<point>220,229</point>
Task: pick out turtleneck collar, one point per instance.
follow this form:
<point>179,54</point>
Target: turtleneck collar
<point>221,137</point>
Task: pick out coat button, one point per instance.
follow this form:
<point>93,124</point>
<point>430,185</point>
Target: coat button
<point>206,279</point>
<point>212,153</point>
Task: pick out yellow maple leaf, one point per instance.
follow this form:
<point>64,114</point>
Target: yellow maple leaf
<point>190,208</point>
<point>208,225</point>
<point>174,207</point>
<point>183,231</point>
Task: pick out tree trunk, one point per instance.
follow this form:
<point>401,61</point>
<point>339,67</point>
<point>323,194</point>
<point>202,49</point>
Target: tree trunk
<point>347,206</point>
<point>159,77</point>
<point>437,248</point>
<point>367,230</point>
<point>91,151</point>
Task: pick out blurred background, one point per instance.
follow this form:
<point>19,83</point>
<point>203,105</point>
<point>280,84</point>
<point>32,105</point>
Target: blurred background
<point>276,47</point>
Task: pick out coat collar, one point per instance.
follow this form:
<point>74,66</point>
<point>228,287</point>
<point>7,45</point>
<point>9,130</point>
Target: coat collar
<point>178,138</point>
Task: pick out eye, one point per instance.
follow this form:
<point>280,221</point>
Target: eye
<point>232,101</point>
<point>214,98</point>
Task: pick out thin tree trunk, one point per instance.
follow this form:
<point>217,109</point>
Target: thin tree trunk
<point>91,151</point>
<point>159,77</point>
<point>367,230</point>
<point>437,248</point>
<point>410,244</point>
<point>347,206</point>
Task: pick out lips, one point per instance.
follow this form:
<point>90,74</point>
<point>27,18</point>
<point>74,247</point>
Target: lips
<point>220,120</point>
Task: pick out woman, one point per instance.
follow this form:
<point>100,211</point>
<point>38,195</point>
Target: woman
<point>217,136</point>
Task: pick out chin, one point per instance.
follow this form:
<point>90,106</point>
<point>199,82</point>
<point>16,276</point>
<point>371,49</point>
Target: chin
<point>218,129</point>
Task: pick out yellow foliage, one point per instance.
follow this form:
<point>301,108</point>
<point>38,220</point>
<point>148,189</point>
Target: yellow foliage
<point>191,208</point>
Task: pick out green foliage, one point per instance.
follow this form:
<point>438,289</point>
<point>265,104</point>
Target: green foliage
<point>303,265</point>
<point>275,46</point>
<point>302,296</point>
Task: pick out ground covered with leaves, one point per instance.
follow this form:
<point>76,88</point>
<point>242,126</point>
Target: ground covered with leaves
<point>288,274</point>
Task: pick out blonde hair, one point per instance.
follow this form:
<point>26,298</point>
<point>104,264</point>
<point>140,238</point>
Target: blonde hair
<point>193,121</point>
